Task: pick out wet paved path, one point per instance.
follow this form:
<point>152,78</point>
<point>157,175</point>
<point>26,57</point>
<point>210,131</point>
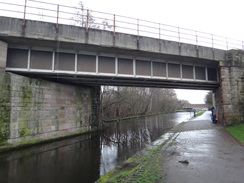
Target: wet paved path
<point>213,155</point>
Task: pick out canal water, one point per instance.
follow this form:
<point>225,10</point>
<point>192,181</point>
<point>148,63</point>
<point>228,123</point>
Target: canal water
<point>85,158</point>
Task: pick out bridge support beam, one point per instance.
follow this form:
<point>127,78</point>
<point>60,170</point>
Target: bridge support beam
<point>229,97</point>
<point>37,110</point>
<point>3,55</point>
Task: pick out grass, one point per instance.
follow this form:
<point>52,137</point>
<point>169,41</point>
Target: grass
<point>237,131</point>
<point>199,113</point>
<point>180,111</point>
<point>147,169</point>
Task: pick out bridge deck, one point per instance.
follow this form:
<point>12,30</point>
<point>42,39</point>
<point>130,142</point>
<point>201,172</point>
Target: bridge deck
<point>99,69</point>
<point>98,58</point>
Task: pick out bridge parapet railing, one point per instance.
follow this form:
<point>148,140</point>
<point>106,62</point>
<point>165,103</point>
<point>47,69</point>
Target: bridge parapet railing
<point>90,19</point>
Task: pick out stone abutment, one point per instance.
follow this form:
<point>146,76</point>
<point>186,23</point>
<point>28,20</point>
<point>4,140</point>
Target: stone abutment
<point>33,110</point>
<point>229,97</point>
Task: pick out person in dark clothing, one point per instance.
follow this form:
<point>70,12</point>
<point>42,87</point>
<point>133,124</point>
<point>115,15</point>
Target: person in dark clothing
<point>214,115</point>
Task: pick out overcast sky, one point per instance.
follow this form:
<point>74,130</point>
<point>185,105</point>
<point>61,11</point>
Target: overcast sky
<point>220,17</point>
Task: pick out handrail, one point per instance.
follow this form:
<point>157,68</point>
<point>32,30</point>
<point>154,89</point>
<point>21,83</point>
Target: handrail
<point>90,19</point>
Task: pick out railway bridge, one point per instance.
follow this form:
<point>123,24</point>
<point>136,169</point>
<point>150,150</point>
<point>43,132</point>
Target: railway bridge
<point>51,75</point>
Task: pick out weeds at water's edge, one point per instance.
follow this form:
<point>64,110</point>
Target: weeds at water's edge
<point>146,169</point>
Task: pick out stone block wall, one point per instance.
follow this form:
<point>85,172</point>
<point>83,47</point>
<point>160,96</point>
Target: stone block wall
<point>5,109</point>
<point>33,109</point>
<point>3,55</point>
<point>229,96</point>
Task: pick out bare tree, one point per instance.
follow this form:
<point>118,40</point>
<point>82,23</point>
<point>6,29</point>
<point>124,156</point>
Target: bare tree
<point>120,102</point>
<point>208,99</point>
<point>84,18</point>
<point>183,103</point>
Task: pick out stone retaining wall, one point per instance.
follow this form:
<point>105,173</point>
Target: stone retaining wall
<point>33,109</point>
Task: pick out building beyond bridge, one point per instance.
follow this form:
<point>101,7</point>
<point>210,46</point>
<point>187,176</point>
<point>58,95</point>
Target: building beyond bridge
<point>197,106</point>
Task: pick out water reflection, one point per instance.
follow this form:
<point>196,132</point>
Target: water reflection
<point>122,140</point>
<point>73,160</point>
<point>85,158</point>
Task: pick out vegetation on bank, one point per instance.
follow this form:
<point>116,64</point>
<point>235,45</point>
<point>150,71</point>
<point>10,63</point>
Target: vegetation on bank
<point>146,115</point>
<point>145,169</point>
<point>131,117</point>
<point>200,113</point>
<point>237,131</point>
<point>124,102</point>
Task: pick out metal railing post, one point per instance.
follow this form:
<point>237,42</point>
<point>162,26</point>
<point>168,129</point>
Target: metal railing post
<point>212,41</point>
<point>172,33</point>
<point>196,40</point>
<point>57,17</point>
<point>24,22</point>
<point>25,9</point>
<point>137,29</point>
<point>114,25</point>
<point>179,35</point>
<point>159,31</point>
<point>87,17</point>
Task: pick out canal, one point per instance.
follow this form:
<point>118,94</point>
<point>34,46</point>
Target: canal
<point>85,158</point>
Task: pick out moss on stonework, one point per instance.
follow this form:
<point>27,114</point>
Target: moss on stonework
<point>241,100</point>
<point>28,143</point>
<point>25,115</point>
<point>27,95</point>
<point>234,120</point>
<point>5,95</point>
<point>58,88</point>
<point>235,58</point>
<point>39,82</point>
<point>79,107</point>
<point>28,98</point>
<point>4,133</point>
<point>24,132</point>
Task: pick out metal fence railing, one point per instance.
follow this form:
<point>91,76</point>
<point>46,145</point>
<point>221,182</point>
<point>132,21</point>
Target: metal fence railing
<point>89,19</point>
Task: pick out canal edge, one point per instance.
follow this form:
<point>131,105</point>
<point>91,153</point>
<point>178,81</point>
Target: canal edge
<point>155,148</point>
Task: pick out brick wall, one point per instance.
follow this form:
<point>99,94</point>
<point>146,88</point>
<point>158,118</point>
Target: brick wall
<point>33,109</point>
<point>230,95</point>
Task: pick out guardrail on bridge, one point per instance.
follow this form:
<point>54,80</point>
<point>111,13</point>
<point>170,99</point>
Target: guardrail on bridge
<point>90,19</point>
